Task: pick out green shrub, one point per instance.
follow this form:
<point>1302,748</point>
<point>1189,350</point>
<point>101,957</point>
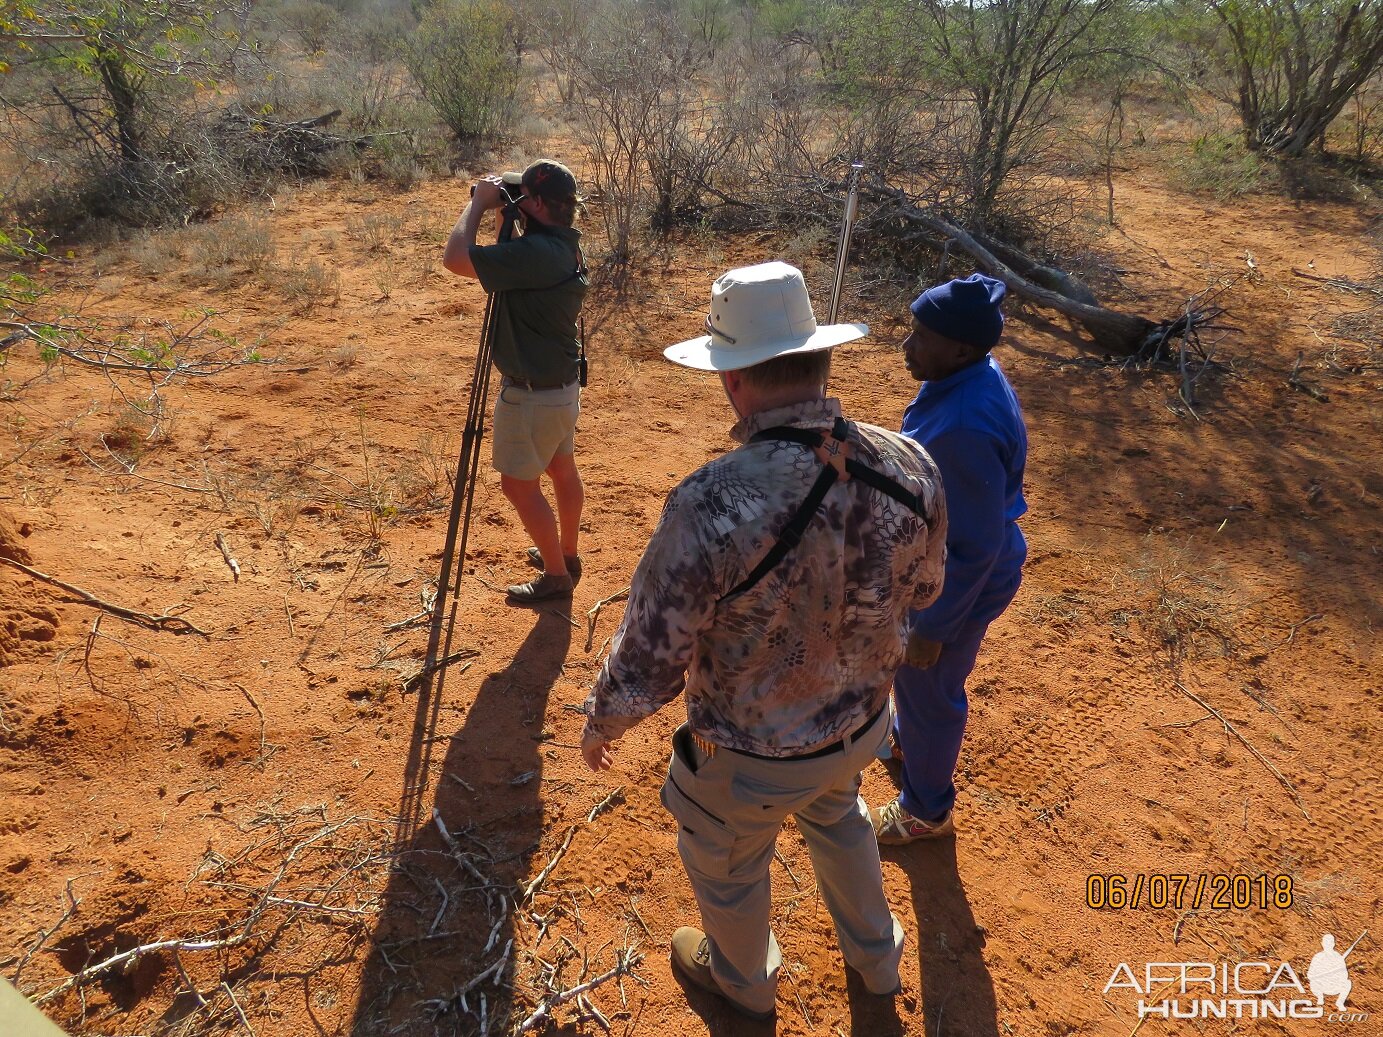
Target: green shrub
<point>1220,163</point>
<point>466,65</point>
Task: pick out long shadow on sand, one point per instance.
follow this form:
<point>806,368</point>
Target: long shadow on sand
<point>957,991</point>
<point>441,960</point>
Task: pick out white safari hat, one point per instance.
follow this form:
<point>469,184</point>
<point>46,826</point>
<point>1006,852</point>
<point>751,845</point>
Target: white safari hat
<point>757,313</point>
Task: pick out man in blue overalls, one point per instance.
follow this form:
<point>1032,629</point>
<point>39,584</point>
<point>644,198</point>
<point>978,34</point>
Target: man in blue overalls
<point>967,417</point>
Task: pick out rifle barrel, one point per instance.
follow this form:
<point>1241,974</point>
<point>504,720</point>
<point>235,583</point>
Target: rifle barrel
<point>847,229</point>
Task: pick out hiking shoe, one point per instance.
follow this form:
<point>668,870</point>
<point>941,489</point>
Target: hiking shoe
<point>544,588</point>
<point>691,956</point>
<point>894,826</point>
<point>535,559</point>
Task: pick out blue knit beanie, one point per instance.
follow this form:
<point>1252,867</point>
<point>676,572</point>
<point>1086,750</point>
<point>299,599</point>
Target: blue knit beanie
<point>965,310</point>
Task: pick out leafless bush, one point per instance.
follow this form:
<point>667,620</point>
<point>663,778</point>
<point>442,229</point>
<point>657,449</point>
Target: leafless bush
<point>653,139</point>
<point>238,241</point>
<point>375,231</point>
<point>311,22</point>
<point>375,97</point>
<point>374,33</point>
<point>614,115</point>
<point>305,286</point>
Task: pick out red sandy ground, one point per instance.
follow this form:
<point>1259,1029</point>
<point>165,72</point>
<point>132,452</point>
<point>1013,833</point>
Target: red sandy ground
<point>167,784</point>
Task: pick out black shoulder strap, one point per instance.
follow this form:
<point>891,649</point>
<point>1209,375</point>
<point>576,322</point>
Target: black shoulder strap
<point>886,485</point>
<point>791,535</point>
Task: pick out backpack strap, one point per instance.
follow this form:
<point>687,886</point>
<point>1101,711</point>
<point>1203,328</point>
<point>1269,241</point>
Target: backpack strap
<point>833,451</point>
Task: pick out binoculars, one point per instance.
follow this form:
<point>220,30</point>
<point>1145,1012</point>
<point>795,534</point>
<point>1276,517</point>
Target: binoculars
<point>511,188</point>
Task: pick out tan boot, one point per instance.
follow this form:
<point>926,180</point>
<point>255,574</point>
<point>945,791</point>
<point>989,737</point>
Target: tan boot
<point>691,956</point>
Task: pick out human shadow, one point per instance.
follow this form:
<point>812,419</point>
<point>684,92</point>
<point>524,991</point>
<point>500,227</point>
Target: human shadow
<point>442,959</point>
<point>956,989</point>
<point>871,1015</point>
<point>719,1018</point>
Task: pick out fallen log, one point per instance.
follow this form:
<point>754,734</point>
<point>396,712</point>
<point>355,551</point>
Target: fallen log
<point>1122,334</point>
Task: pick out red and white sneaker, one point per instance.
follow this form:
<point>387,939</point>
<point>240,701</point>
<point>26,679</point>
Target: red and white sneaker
<point>894,826</point>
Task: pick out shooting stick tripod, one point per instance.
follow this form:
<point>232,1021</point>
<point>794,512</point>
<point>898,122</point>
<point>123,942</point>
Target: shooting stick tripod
<point>431,679</point>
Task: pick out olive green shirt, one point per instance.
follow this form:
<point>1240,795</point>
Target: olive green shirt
<point>539,282</point>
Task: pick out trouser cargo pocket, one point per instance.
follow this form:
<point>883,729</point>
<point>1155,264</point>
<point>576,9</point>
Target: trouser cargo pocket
<point>703,838</point>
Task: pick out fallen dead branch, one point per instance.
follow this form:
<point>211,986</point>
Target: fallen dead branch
<point>1123,334</point>
<point>309,873</point>
<point>625,963</point>
<point>537,883</point>
<point>594,613</point>
<point>301,146</point>
<point>1344,284</point>
<point>169,621</point>
<point>1231,729</point>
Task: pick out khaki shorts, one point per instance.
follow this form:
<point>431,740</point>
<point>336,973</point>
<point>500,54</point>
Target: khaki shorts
<point>532,426</point>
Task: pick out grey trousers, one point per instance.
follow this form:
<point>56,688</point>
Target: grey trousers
<point>729,808</point>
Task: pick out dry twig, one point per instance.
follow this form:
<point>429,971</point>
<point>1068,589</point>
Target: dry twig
<point>594,613</point>
<point>72,904</point>
<point>624,965</point>
<point>1296,382</point>
<point>536,884</point>
<point>253,702</point>
<point>1231,729</point>
<point>231,563</point>
<point>167,621</point>
<point>411,681</point>
<point>264,899</point>
<point>1342,283</point>
<point>238,1010</point>
<point>614,798</point>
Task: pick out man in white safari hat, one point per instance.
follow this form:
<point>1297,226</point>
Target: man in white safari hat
<point>775,591</point>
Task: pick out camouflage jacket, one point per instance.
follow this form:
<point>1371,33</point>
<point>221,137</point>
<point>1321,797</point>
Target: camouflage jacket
<point>807,654</point>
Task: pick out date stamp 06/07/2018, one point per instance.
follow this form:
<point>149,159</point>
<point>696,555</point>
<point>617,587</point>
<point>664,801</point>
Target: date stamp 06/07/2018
<point>1181,891</point>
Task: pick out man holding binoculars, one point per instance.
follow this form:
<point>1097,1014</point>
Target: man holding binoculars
<point>539,281</point>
